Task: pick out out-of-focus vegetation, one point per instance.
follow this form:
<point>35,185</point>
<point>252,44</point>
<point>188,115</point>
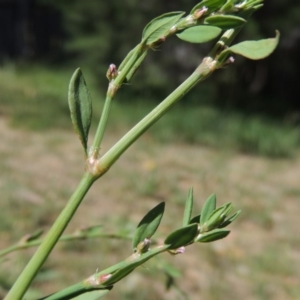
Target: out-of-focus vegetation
<point>98,33</point>
<point>32,96</point>
<point>251,106</point>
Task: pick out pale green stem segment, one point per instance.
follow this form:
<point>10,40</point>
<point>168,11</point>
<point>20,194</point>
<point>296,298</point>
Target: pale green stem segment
<point>114,85</point>
<point>101,128</point>
<point>98,281</point>
<point>72,291</point>
<point>202,72</point>
<point>65,238</point>
<point>23,282</point>
<point>206,68</point>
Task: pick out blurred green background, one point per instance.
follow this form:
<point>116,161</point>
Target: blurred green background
<point>94,34</point>
<point>236,134</point>
<point>238,106</point>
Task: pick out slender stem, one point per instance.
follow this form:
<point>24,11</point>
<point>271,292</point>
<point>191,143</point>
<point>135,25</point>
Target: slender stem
<point>101,127</point>
<point>207,66</point>
<point>202,72</point>
<point>64,238</point>
<point>22,283</point>
<point>105,278</point>
<point>74,291</point>
<point>137,52</point>
<point>133,62</point>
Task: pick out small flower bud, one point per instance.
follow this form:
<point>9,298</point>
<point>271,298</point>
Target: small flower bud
<point>112,72</point>
<point>200,12</point>
<point>179,250</point>
<point>143,246</point>
<point>230,60</point>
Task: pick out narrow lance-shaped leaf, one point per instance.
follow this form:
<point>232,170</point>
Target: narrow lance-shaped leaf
<point>80,104</point>
<point>207,209</point>
<point>212,5</point>
<point>199,34</point>
<point>195,219</point>
<point>32,236</point>
<point>230,219</point>
<point>256,49</point>
<point>225,21</point>
<point>182,236</point>
<point>216,218</point>
<point>213,235</point>
<point>148,224</point>
<point>188,208</point>
<point>136,65</point>
<point>159,26</point>
<point>127,58</point>
<point>228,5</point>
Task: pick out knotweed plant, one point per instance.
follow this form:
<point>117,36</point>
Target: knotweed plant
<point>209,20</point>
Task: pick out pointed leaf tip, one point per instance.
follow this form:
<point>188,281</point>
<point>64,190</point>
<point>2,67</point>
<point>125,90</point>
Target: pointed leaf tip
<point>160,26</point>
<point>225,21</point>
<point>256,49</point>
<point>149,224</point>
<point>188,208</point>
<point>182,236</point>
<point>208,207</point>
<point>212,236</point>
<point>80,105</point>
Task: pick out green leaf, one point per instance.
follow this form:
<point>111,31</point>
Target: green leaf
<point>212,5</point>
<point>216,218</point>
<point>95,295</point>
<point>127,58</point>
<point>207,209</point>
<point>195,219</point>
<point>230,219</point>
<point>213,235</point>
<point>188,208</point>
<point>199,34</point>
<point>256,49</point>
<point>225,21</point>
<point>33,236</point>
<point>149,224</point>
<point>121,273</point>
<point>136,65</point>
<point>133,262</point>
<point>80,104</point>
<point>182,236</point>
<point>160,26</point>
<point>228,5</point>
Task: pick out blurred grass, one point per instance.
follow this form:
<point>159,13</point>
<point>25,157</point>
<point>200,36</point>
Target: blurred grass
<point>31,96</point>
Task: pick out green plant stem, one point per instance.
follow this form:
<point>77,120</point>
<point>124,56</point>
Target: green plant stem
<point>73,291</point>
<point>114,85</point>
<point>23,282</point>
<point>100,281</point>
<point>65,238</point>
<point>107,160</point>
<point>101,127</point>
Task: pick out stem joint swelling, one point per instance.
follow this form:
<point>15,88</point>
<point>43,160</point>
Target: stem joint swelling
<point>94,168</point>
